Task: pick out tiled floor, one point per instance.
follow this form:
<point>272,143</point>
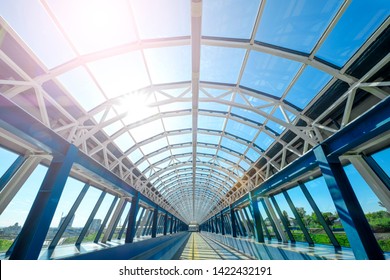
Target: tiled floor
<point>200,247</point>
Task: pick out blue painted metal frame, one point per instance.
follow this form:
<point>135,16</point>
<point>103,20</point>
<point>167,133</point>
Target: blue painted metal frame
<point>103,225</point>
<point>378,170</point>
<point>7,176</point>
<point>233,222</point>
<point>131,222</point>
<point>277,235</point>
<point>68,217</point>
<point>222,223</point>
<point>36,226</point>
<point>90,218</point>
<point>124,225</point>
<point>356,226</point>
<point>154,224</point>
<point>298,218</point>
<point>165,224</point>
<point>147,224</point>
<point>115,225</point>
<point>283,219</point>
<point>250,225</point>
<point>254,207</point>
<point>319,215</point>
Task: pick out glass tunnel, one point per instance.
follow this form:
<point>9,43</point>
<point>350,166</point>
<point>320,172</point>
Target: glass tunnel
<point>135,129</point>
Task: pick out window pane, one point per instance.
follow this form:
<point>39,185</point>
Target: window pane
<point>382,158</point>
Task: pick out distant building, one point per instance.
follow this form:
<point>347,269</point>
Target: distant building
<point>70,223</point>
<point>95,225</point>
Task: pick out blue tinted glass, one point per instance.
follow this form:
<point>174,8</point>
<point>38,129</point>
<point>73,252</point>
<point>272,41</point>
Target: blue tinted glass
<point>135,156</point>
<point>185,150</point>
<point>356,25</point>
<point>124,142</point>
<point>321,195</point>
<point>154,146</point>
<point>275,127</point>
<point>241,130</point>
<point>252,155</point>
<point>296,25</point>
<point>205,138</point>
<point>228,156</point>
<point>233,145</point>
<point>176,106</point>
<point>382,158</point>
<point>307,87</point>
<point>159,157</point>
<point>268,73</point>
<point>208,122</point>
<point>203,150</point>
<point>229,18</point>
<point>218,64</point>
<point>176,139</point>
<point>169,65</point>
<point>159,19</point>
<point>264,140</point>
<point>6,159</point>
<point>248,114</point>
<point>174,123</point>
<point>244,165</point>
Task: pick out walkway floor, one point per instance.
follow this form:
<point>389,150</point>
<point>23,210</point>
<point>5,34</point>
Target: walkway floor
<point>200,247</point>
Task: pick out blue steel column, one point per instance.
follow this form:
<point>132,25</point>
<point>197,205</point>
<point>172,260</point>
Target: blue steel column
<point>103,225</point>
<point>146,226</point>
<point>271,220</point>
<point>124,225</point>
<point>250,225</point>
<point>68,217</point>
<point>254,207</point>
<point>222,224</point>
<point>131,222</point>
<point>116,221</point>
<point>318,213</point>
<point>239,224</point>
<point>11,171</point>
<point>233,222</point>
<point>377,170</point>
<point>137,226</point>
<point>154,225</point>
<point>90,218</point>
<point>283,219</point>
<point>36,226</point>
<point>165,224</point>
<point>298,218</point>
<point>170,225</point>
<point>359,233</point>
<point>216,224</point>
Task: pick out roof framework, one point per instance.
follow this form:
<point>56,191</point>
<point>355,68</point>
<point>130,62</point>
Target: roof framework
<point>206,137</point>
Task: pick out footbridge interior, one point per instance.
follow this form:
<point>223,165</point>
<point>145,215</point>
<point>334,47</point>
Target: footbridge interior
<point>194,129</point>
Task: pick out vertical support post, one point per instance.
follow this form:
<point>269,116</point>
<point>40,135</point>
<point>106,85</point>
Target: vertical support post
<point>374,166</point>
<point>276,220</point>
<point>103,225</point>
<point>283,219</point>
<point>233,222</point>
<point>11,171</point>
<point>124,225</point>
<point>171,225</point>
<point>239,224</point>
<point>131,222</point>
<point>271,220</point>
<point>244,221</point>
<point>165,224</point>
<point>216,224</point>
<point>36,226</point>
<point>138,225</point>
<point>145,229</point>
<point>68,217</point>
<point>250,225</point>
<point>90,218</point>
<point>222,223</point>
<point>14,183</point>
<point>318,213</point>
<point>356,226</point>
<point>298,219</point>
<point>154,225</point>
<point>114,220</point>
<point>176,222</point>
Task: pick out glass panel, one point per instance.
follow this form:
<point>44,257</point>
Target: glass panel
<point>77,223</point>
<point>208,122</point>
<point>382,158</point>
<point>176,123</point>
<point>213,106</point>
<point>248,114</point>
<point>112,128</point>
<point>374,210</point>
<point>264,141</point>
<point>169,65</point>
<point>147,130</point>
<point>121,221</point>
<point>40,34</point>
<point>203,150</point>
<point>220,65</point>
<point>135,156</point>
<point>13,217</point>
<point>120,74</point>
<point>307,87</point>
<point>234,145</point>
<point>297,26</point>
<point>268,73</point>
<point>177,139</point>
<point>154,146</point>
<point>176,106</point>
<point>159,19</point>
<point>244,165</point>
<point>6,160</point>
<point>346,38</point>
<point>98,19</point>
<point>81,86</point>
<point>266,221</point>
<point>320,193</point>
<point>143,166</point>
<point>159,157</point>
<point>228,156</point>
<point>205,138</point>
<point>241,130</point>
<point>252,155</point>
<point>229,18</point>
<point>177,151</point>
<point>124,142</point>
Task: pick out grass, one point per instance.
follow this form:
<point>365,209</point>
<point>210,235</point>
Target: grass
<point>5,244</point>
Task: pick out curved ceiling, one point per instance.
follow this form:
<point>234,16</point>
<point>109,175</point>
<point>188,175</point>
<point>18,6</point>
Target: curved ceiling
<point>193,102</point>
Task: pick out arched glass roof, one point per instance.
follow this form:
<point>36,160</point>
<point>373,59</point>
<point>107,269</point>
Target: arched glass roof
<point>194,102</point>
